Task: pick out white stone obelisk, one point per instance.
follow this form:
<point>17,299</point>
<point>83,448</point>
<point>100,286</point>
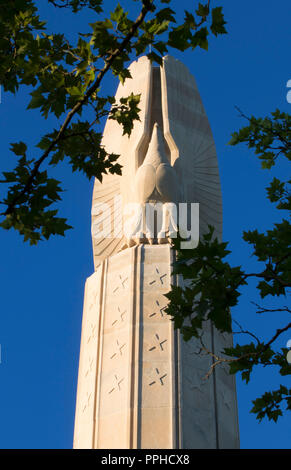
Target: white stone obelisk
<point>140,385</point>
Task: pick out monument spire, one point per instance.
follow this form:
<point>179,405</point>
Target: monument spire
<point>140,385</point>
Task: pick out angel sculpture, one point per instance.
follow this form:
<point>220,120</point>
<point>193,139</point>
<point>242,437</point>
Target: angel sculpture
<point>156,190</point>
<point>169,159</point>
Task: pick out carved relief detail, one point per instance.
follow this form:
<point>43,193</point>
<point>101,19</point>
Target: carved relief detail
<point>116,384</point>
<point>159,279</point>
<point>158,310</point>
<point>159,379</point>
<point>159,344</point>
<point>87,401</point>
<point>118,349</point>
<point>89,345</point>
<point>115,338</point>
<point>90,366</point>
<point>92,332</point>
<point>120,316</point>
<point>121,284</point>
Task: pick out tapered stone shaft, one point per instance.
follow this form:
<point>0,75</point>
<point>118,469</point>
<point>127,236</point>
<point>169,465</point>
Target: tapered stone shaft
<point>140,385</point>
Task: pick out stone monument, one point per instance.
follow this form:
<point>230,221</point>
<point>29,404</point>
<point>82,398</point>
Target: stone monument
<point>140,385</point>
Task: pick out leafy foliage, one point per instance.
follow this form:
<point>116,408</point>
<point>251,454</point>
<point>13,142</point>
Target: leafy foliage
<point>269,137</point>
<point>270,404</point>
<point>211,286</point>
<point>66,79</point>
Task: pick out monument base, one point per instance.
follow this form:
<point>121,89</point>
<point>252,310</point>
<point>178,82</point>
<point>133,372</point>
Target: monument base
<point>140,385</point>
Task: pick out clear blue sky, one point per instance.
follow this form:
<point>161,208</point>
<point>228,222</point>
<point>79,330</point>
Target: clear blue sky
<point>42,287</point>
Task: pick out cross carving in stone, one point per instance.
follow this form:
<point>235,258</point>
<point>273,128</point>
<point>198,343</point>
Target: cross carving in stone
<point>121,315</point>
<point>119,349</point>
<point>117,384</point>
<point>160,309</point>
<point>87,403</point>
<point>159,277</point>
<point>160,343</point>
<point>160,377</point>
<point>121,285</point>
<point>91,360</point>
<point>92,332</point>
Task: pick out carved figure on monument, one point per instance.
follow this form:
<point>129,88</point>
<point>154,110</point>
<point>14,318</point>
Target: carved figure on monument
<point>169,159</point>
<point>156,191</point>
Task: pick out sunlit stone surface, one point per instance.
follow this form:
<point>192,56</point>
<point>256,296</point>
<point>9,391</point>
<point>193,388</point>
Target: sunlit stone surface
<point>140,385</point>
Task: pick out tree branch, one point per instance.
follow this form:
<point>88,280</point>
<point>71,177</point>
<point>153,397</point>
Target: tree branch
<point>147,6</point>
<point>219,360</point>
<point>271,310</point>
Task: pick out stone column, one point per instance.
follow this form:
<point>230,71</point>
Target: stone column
<point>140,385</point>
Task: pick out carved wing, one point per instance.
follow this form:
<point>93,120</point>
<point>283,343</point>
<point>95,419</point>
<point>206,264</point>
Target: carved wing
<point>189,137</point>
<point>129,150</point>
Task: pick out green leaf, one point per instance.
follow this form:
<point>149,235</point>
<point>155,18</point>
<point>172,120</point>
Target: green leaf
<point>19,148</point>
<point>200,39</point>
<point>218,22</point>
<point>202,10</point>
